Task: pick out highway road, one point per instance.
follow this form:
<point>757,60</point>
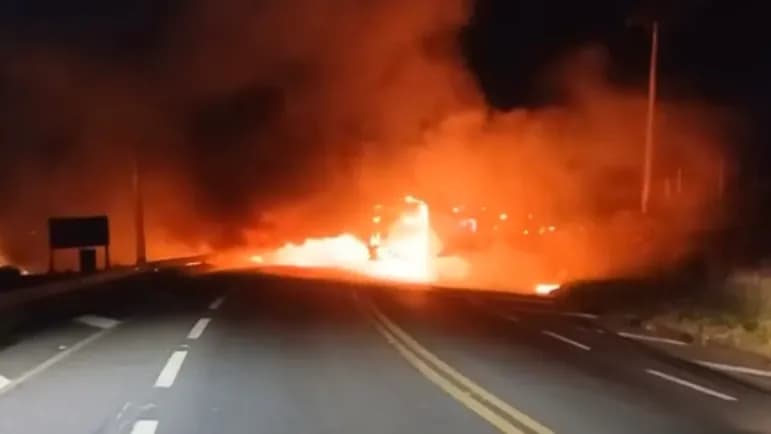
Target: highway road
<point>254,354</point>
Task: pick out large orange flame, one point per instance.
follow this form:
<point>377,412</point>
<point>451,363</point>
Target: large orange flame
<point>408,251</point>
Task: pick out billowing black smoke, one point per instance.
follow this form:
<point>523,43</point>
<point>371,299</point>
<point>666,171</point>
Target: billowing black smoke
<point>233,107</point>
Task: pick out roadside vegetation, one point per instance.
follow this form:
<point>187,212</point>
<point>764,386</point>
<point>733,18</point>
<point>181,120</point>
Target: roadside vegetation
<point>733,310</point>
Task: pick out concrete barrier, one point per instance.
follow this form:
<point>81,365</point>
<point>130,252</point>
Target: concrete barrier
<point>24,306</point>
<point>19,297</point>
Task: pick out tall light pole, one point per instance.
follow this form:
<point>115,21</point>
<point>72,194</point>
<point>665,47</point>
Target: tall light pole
<point>139,210</point>
<point>649,122</point>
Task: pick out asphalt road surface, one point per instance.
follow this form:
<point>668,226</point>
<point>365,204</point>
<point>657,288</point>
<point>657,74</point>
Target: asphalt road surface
<point>250,354</point>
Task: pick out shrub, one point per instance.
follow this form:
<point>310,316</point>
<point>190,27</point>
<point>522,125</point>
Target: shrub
<point>747,294</point>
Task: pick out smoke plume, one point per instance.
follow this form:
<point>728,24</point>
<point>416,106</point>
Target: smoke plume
<point>259,122</point>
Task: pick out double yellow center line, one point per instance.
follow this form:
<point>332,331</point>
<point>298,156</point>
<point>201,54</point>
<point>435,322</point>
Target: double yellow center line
<point>489,407</point>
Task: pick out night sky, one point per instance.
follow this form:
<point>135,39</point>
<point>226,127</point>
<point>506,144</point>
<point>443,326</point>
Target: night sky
<point>718,49</point>
<point>715,50</point>
<point>709,47</point>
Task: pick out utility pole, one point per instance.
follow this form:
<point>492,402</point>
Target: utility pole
<point>649,122</point>
<point>139,209</point>
<point>721,178</point>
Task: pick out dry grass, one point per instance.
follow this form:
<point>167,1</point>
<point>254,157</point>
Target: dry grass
<point>736,313</point>
<point>748,294</point>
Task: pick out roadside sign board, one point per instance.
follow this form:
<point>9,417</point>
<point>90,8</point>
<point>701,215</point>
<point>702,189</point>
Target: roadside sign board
<point>73,232</point>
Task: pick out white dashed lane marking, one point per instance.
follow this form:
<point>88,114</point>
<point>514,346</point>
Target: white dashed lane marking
<point>692,386</point>
<point>4,382</point>
<point>145,427</point>
<point>216,303</point>
<point>198,328</point>
<point>170,371</point>
<point>97,321</point>
<point>566,340</point>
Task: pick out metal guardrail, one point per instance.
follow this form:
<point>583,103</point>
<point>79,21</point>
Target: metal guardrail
<point>35,293</point>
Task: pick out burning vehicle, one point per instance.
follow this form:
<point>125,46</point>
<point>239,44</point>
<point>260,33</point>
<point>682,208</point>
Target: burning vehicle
<point>409,241</point>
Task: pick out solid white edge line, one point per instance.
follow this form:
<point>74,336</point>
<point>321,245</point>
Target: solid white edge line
<point>4,381</point>
<point>171,369</point>
<point>52,361</point>
<point>99,322</point>
<point>198,328</point>
<point>217,303</point>
<point>690,385</point>
<point>651,338</point>
<point>734,368</point>
<point>569,341</point>
<point>145,427</point>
